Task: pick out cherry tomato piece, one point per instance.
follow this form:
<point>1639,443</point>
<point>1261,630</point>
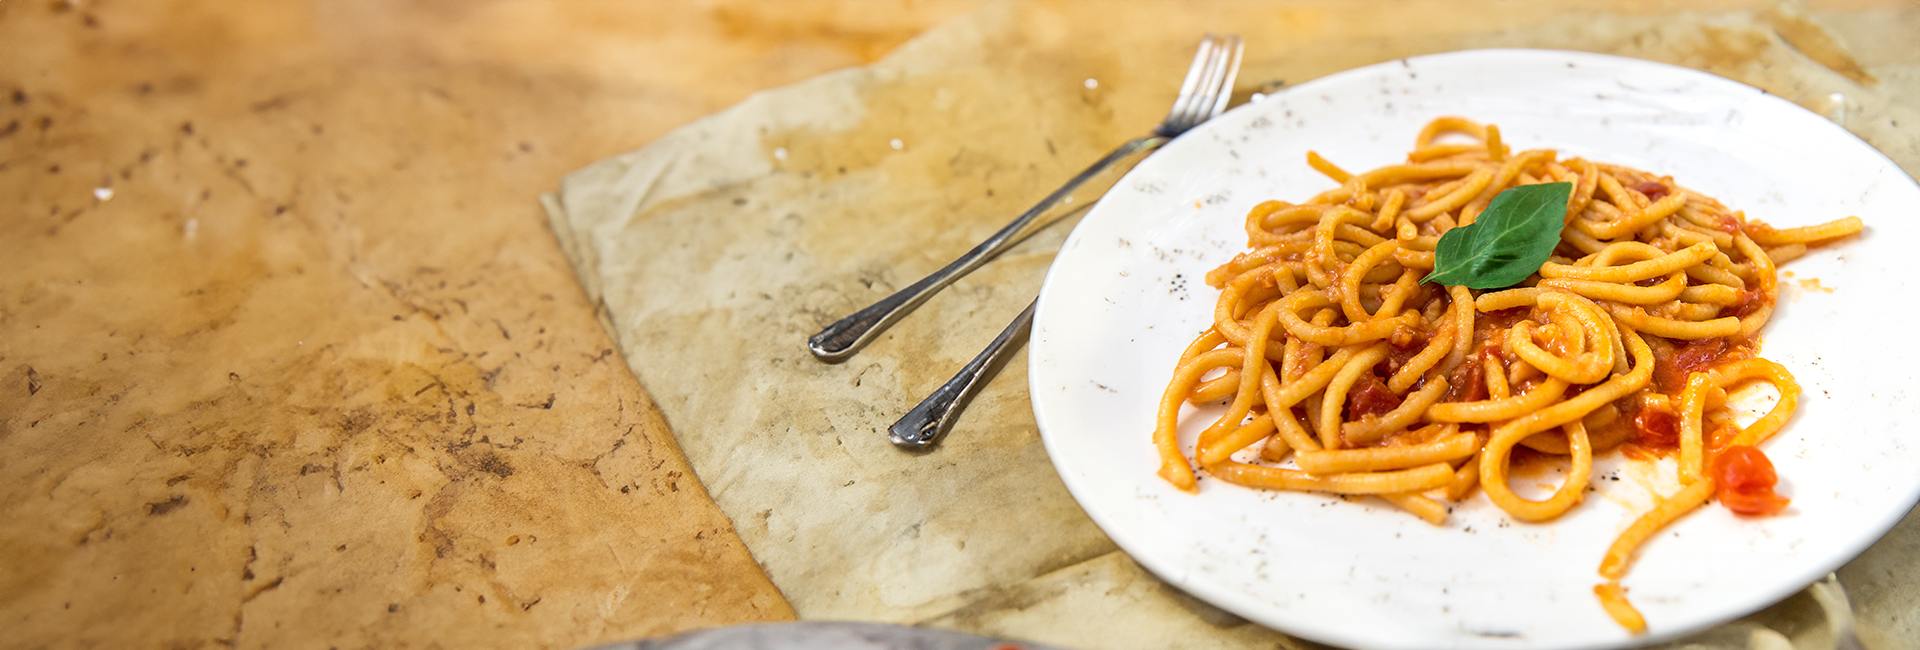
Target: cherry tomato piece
<point>1744,481</point>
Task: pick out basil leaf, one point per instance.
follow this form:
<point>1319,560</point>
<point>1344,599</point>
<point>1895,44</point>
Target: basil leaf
<point>1507,242</point>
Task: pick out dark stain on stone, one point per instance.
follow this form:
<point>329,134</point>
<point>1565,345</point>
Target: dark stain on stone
<point>492,463</point>
<point>1813,41</point>
<point>164,507</point>
<point>272,103</point>
<point>1727,48</point>
<point>359,420</point>
<point>33,382</point>
<point>271,585</point>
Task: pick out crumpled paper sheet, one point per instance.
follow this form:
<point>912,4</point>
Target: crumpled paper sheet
<point>715,251</point>
<point>288,360</point>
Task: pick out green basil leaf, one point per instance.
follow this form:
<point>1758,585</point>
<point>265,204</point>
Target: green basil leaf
<point>1507,242</point>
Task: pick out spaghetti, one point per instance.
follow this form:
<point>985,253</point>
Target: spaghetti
<point>1331,353</point>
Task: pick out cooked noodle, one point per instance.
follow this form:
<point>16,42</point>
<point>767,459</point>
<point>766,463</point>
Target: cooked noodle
<point>1334,357</point>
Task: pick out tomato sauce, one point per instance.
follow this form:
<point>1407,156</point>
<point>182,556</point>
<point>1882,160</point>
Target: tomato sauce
<point>1467,383</point>
<point>1656,426</point>
<point>1748,302</point>
<point>1524,463</point>
<point>1490,329</point>
<point>1370,396</point>
<point>1719,435</point>
<point>1673,361</point>
<point>1744,480</point>
<point>1406,343</point>
<point>1649,426</point>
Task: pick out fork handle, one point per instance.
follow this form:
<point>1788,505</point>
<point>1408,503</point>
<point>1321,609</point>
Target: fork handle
<point>842,339</point>
<point>929,420</point>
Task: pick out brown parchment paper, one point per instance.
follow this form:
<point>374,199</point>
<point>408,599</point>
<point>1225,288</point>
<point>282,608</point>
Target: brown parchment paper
<point>715,251</point>
<point>289,360</point>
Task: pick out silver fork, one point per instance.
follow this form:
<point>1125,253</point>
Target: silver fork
<point>1204,94</point>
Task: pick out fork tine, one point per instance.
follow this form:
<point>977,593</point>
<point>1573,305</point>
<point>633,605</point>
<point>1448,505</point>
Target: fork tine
<point>1199,110</point>
<point>1216,65</point>
<point>1191,87</point>
<point>1218,89</point>
<point>1235,49</point>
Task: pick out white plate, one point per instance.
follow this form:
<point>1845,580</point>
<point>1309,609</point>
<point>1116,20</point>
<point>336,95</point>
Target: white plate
<point>1127,294</point>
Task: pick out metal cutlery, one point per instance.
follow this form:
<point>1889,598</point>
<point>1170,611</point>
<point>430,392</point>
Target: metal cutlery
<point>1203,95</point>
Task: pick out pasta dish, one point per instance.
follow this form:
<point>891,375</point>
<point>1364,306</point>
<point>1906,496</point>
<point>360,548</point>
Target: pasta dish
<point>1403,336</point>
